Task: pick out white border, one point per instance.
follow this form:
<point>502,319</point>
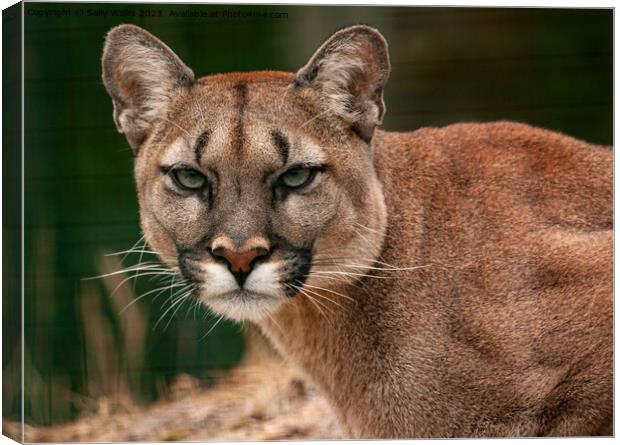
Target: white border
<point>439,3</point>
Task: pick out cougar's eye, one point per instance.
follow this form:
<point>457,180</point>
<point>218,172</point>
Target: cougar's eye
<point>297,177</point>
<point>188,178</point>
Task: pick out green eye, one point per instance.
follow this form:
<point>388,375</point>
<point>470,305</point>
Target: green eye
<point>297,177</point>
<point>189,179</point>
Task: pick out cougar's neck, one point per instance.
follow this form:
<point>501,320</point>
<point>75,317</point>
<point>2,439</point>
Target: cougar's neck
<point>336,346</point>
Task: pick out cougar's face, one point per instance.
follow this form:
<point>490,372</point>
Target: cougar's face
<point>249,204</point>
<point>258,188</point>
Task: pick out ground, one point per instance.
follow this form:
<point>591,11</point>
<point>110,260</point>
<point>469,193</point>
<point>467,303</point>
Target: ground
<point>264,398</point>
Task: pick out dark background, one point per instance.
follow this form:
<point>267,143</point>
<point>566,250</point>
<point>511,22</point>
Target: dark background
<point>551,68</point>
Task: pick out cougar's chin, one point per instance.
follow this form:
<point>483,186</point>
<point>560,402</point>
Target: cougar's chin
<point>243,305</point>
<point>261,294</point>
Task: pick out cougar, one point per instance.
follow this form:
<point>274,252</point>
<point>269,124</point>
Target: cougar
<point>446,282</point>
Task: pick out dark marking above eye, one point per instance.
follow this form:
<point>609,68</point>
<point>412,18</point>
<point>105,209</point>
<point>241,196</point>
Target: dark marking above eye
<point>282,144</point>
<point>241,97</point>
<point>201,143</point>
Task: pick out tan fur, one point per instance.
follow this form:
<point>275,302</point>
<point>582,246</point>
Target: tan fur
<point>461,277</point>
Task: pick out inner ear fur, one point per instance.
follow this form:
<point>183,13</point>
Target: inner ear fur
<point>142,75</point>
<point>350,71</point>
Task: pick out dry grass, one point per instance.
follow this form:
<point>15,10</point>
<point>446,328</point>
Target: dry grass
<point>262,399</point>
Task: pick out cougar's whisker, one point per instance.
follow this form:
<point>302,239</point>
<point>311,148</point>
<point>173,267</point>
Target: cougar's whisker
<point>140,259</point>
<point>126,252</point>
<point>183,299</point>
<point>160,289</point>
<point>387,269</point>
<point>378,232</point>
<point>275,323</point>
<point>141,240</point>
<point>328,290</point>
<point>176,300</point>
<point>324,259</point>
<point>312,300</point>
<point>306,288</point>
<point>309,293</point>
<point>149,268</point>
<point>212,327</point>
<point>352,274</point>
<point>138,275</point>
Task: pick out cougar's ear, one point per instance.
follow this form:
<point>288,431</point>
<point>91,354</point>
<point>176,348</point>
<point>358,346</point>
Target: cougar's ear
<point>142,75</point>
<point>350,71</point>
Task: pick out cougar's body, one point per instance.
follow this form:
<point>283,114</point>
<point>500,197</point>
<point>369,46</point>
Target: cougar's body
<point>506,328</point>
<point>451,282</point>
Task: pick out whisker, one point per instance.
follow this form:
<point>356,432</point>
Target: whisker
<point>137,275</point>
<point>314,303</point>
<point>275,322</point>
<point>139,261</point>
<point>183,299</point>
<point>150,267</point>
<point>191,306</point>
<point>322,296</point>
<point>386,264</point>
<point>141,240</point>
<point>304,292</point>
<point>388,269</point>
<point>356,284</point>
<point>352,274</point>
<point>322,259</point>
<point>337,278</point>
<point>172,305</point>
<point>196,305</point>
<point>310,298</point>
<point>328,290</point>
<point>160,289</point>
<point>212,327</point>
<point>378,232</point>
<point>373,244</point>
<point>128,251</point>
<point>173,295</point>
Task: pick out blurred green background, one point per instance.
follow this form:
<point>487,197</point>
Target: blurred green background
<point>548,67</point>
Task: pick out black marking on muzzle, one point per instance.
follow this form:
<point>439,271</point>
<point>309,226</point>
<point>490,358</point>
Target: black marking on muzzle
<point>298,265</point>
<point>189,270</point>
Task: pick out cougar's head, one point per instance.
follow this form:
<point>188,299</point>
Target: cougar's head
<point>257,187</point>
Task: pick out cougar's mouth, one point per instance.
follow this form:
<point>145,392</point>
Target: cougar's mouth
<point>260,293</point>
<point>242,304</point>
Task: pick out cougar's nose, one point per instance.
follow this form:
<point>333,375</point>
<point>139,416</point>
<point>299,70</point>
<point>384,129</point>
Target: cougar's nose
<point>240,260</point>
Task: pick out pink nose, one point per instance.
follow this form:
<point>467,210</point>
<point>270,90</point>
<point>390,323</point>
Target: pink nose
<point>240,262</point>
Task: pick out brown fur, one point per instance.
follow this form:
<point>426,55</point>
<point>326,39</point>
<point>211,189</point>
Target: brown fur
<point>461,283</point>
